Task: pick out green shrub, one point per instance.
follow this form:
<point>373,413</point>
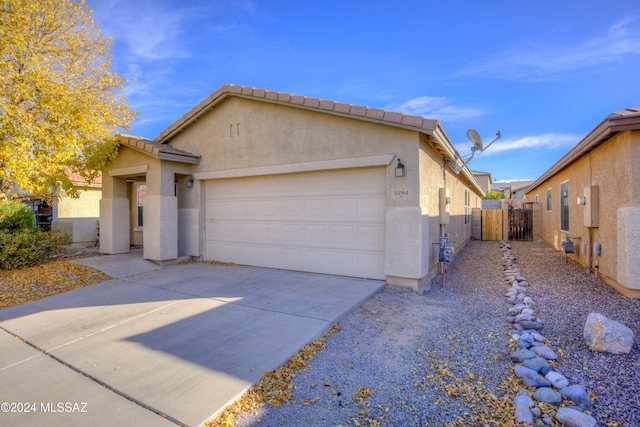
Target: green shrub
<point>29,246</point>
<point>16,216</point>
<point>493,195</point>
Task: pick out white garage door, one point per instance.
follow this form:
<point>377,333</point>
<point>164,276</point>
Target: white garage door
<point>325,222</point>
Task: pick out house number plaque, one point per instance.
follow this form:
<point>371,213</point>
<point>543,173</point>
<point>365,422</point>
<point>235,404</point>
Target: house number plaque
<point>399,194</point>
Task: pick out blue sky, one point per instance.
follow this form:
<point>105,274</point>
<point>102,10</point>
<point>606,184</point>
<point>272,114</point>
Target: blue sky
<point>544,73</point>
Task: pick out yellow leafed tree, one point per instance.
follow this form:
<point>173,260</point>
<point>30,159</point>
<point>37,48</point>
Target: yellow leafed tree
<point>60,102</point>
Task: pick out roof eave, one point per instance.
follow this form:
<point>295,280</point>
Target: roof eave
<point>178,158</point>
<point>449,151</point>
<point>601,133</point>
<point>138,145</point>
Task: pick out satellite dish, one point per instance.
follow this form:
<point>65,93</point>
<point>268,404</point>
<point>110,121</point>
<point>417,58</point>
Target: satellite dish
<point>457,164</point>
<point>474,136</point>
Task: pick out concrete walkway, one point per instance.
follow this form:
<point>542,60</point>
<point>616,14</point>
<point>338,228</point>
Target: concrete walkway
<point>160,345</point>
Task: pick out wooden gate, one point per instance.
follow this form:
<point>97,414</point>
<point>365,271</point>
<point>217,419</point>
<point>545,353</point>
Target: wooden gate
<point>521,222</point>
<point>492,224</point>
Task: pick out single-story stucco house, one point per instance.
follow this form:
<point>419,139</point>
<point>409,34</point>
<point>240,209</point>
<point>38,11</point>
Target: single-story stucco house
<point>265,178</point>
<point>592,195</point>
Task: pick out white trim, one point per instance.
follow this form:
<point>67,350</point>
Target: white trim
<point>356,162</point>
<point>133,170</point>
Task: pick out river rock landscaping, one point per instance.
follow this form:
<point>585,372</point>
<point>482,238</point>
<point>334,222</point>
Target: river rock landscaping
<point>549,386</point>
<point>451,356</point>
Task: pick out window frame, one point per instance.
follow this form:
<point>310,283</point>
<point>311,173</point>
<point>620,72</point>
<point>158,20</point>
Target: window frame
<point>564,206</point>
<point>467,206</point>
<point>139,208</point>
<point>549,194</point>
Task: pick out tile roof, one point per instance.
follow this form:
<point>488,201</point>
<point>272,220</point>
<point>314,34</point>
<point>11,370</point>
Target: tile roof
<point>158,150</point>
<point>417,123</point>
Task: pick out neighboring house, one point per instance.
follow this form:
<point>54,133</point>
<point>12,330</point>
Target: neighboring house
<point>504,187</point>
<point>592,194</point>
<point>518,189</point>
<point>484,179</point>
<point>77,217</point>
<point>270,179</point>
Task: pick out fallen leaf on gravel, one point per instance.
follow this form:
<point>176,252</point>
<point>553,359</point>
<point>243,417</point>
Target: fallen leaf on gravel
<point>214,262</point>
<point>310,401</point>
<point>34,283</point>
<point>274,387</point>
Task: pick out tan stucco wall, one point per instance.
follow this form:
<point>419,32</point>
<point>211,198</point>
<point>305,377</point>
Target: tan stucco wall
<point>613,167</point>
<point>274,134</point>
<point>78,217</point>
<point>85,206</point>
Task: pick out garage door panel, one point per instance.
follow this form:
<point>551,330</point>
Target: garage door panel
<point>317,208</point>
<point>327,222</point>
<point>271,208</point>
<point>370,208</point>
<point>292,209</point>
<point>292,233</point>
<point>370,181</point>
<point>370,236</point>
<point>371,262</point>
<point>343,235</point>
<point>316,234</point>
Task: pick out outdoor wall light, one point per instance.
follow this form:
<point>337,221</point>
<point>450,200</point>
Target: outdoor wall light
<point>400,168</point>
<point>190,181</point>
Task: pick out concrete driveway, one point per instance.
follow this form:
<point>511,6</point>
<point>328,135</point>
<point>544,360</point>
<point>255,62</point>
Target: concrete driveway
<point>160,345</point>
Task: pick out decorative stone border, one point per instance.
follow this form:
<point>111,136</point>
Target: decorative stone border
<point>532,359</point>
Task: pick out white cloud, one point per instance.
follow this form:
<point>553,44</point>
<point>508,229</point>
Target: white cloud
<point>438,108</point>
<point>149,30</point>
<point>535,63</point>
<point>547,141</point>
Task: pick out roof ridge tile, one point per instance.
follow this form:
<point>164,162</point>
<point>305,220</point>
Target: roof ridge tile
<point>357,111</point>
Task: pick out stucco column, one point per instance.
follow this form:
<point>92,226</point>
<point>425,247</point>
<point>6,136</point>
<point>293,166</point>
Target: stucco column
<point>628,271</point>
<point>188,218</point>
<point>114,216</point>
<point>406,258</point>
<point>160,234</point>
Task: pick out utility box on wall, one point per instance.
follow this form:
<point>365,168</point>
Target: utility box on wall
<point>444,206</point>
<point>591,206</point>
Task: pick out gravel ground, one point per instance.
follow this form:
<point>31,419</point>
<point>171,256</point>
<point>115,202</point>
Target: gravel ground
<point>441,358</point>
<point>565,295</point>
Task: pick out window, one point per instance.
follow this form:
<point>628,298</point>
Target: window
<point>564,206</point>
<point>467,206</point>
<point>141,192</point>
<point>549,200</point>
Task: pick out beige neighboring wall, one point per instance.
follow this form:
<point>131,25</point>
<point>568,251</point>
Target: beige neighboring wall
<point>85,206</point>
<point>78,217</point>
<point>612,167</point>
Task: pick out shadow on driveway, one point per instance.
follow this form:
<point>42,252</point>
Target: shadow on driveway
<point>182,341</point>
